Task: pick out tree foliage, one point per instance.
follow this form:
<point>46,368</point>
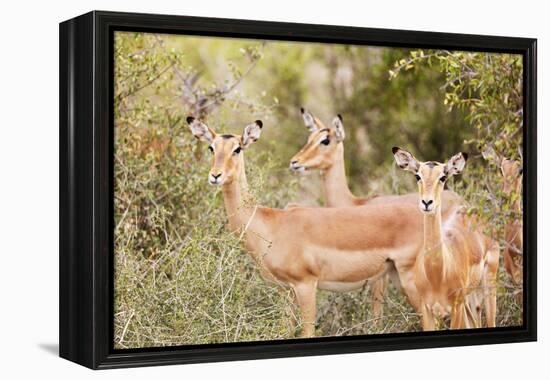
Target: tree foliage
<point>488,89</point>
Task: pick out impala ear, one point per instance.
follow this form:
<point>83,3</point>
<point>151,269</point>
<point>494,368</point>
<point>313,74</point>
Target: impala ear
<point>309,120</point>
<point>200,130</point>
<point>405,160</point>
<point>456,164</point>
<point>338,128</point>
<point>251,133</point>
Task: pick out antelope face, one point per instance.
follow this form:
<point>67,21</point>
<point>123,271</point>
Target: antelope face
<point>512,173</point>
<point>226,152</point>
<point>320,151</point>
<point>431,176</point>
<point>226,149</point>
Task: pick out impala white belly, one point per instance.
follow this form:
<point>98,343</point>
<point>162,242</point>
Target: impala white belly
<point>343,269</point>
<point>335,286</point>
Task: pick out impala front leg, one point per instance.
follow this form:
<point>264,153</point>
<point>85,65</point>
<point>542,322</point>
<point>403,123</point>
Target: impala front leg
<point>428,319</point>
<point>458,312</point>
<point>305,295</point>
<point>490,286</point>
<point>458,316</point>
<point>378,292</point>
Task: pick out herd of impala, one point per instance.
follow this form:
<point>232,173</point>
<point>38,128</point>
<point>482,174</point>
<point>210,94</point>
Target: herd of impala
<point>441,259</point>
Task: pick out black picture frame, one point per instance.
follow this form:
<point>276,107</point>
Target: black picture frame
<point>86,189</point>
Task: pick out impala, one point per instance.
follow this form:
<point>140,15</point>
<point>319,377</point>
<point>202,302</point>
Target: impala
<point>513,230</point>
<point>456,263</point>
<point>324,151</point>
<point>306,248</point>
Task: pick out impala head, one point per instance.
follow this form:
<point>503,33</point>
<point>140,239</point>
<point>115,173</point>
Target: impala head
<point>226,150</point>
<point>512,173</point>
<point>431,176</point>
<point>321,149</point>
<point>511,170</point>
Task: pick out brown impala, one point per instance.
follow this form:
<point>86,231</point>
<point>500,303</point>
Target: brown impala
<point>456,266</point>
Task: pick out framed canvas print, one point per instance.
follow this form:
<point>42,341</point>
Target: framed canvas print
<point>236,189</point>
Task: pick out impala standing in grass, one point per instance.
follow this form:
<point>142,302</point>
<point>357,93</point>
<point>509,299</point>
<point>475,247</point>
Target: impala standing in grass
<point>512,173</point>
<point>513,231</point>
<point>456,263</point>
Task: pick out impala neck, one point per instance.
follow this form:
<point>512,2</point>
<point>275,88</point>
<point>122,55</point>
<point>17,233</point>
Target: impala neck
<point>432,232</point>
<point>434,254</point>
<point>337,193</point>
<point>238,203</point>
<point>517,203</point>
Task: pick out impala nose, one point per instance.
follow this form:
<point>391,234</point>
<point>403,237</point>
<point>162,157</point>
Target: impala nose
<point>294,165</point>
<point>214,178</point>
<point>427,204</point>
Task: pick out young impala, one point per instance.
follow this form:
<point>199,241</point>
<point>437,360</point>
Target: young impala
<point>324,151</point>
<point>455,263</point>
<point>306,248</point>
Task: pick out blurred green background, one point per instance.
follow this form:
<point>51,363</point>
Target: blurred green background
<point>180,277</point>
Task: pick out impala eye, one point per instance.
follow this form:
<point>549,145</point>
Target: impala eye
<point>237,151</point>
<point>325,141</point>
<point>417,177</point>
<point>211,149</point>
<point>443,179</point>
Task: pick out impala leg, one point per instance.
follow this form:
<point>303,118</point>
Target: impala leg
<point>471,318</point>
<point>458,317</point>
<point>518,281</point>
<point>291,312</point>
<point>516,272</point>
<point>405,281</point>
<point>513,268</point>
<point>458,312</point>
<point>490,300</point>
<point>378,289</point>
<point>490,287</point>
<point>472,308</point>
<point>428,319</point>
<point>509,264</point>
<point>306,298</point>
